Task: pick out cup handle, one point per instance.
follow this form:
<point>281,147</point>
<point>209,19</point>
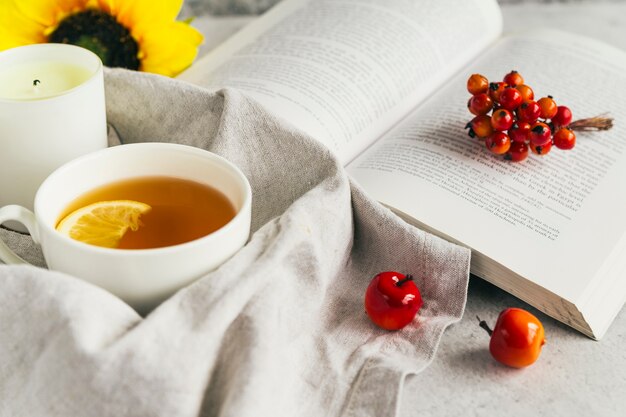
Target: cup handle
<point>27,218</point>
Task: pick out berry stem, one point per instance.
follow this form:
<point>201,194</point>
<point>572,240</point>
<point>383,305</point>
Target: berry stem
<point>484,325</point>
<point>593,123</point>
<point>407,278</point>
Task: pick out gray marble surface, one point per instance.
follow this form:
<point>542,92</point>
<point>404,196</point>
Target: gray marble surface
<point>574,376</point>
<point>238,7</point>
<point>229,7</point>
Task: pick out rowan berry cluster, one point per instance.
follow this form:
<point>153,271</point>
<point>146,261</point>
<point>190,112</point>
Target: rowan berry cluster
<point>510,120</point>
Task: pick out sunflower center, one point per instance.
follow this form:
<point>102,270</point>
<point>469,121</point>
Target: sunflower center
<point>102,34</point>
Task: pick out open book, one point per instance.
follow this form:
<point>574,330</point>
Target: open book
<point>382,84</point>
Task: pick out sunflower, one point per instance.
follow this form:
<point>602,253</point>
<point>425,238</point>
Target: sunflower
<point>135,34</point>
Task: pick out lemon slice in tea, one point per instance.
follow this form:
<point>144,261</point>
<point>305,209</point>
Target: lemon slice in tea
<point>103,223</point>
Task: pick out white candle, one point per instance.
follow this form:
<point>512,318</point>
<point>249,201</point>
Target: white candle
<point>52,110</point>
<point>36,81</point>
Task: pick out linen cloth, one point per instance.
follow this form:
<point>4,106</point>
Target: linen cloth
<point>278,330</point>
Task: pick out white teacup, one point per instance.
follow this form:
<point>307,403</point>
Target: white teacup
<point>143,277</point>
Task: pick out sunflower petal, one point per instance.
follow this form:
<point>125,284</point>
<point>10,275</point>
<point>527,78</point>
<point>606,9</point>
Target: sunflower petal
<point>16,29</point>
<point>141,15</point>
<point>170,48</point>
<point>47,12</point>
<point>25,22</point>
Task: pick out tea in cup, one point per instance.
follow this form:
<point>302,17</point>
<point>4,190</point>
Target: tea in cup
<point>191,208</point>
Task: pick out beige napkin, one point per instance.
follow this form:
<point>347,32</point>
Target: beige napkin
<point>279,330</point>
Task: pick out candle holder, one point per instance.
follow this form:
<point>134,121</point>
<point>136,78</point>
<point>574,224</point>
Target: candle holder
<point>52,110</point>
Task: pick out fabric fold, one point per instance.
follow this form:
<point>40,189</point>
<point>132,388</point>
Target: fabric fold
<point>279,329</point>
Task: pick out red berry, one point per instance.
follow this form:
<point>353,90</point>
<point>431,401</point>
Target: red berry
<point>526,92</point>
<point>563,117</point>
<point>496,90</point>
<point>392,300</point>
<point>529,112</point>
<point>480,126</point>
<point>498,143</point>
<point>541,149</point>
<point>477,84</point>
<point>517,338</point>
<point>501,120</point>
<point>564,139</point>
<point>548,107</point>
<point>513,79</point>
<point>517,152</point>
<point>480,104</point>
<point>540,134</point>
<point>520,132</point>
<point>510,99</point>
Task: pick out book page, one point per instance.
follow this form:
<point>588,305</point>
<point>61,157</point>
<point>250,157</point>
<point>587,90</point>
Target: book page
<point>345,71</point>
<point>552,219</point>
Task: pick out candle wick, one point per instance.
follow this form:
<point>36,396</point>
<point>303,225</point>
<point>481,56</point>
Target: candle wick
<point>36,82</point>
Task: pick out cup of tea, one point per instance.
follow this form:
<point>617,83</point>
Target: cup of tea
<point>189,210</point>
